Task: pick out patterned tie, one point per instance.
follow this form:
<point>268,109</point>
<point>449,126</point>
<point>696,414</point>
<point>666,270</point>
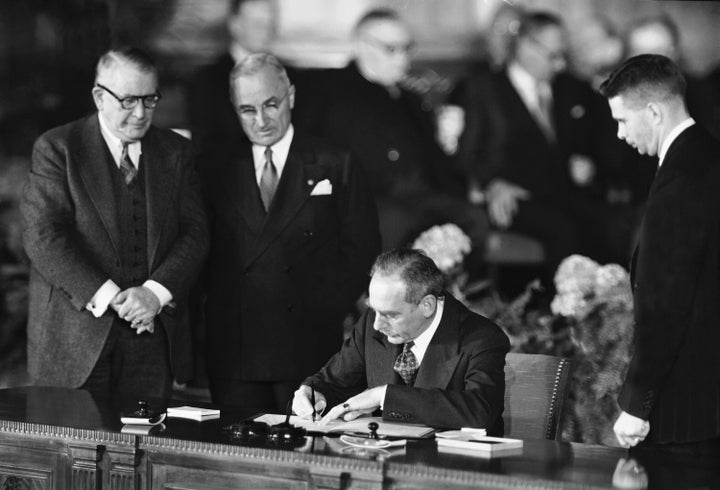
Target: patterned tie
<point>268,180</point>
<point>543,114</point>
<point>406,364</point>
<point>127,169</point>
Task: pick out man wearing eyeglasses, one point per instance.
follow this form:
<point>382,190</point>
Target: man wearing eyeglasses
<point>294,232</point>
<point>533,143</point>
<point>391,130</point>
<point>116,235</point>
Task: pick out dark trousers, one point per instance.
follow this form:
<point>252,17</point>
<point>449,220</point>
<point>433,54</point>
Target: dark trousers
<point>680,465</point>
<point>132,365</point>
<point>261,395</point>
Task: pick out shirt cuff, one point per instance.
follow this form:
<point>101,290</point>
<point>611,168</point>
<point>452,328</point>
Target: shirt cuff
<point>100,301</point>
<point>163,295</point>
<point>382,396</point>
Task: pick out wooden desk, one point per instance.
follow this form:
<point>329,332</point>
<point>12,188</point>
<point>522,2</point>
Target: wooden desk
<point>53,438</point>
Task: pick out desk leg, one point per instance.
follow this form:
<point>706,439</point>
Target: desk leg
<point>84,472</point>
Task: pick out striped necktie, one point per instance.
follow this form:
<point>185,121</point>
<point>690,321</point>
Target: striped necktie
<point>268,180</point>
<point>127,169</point>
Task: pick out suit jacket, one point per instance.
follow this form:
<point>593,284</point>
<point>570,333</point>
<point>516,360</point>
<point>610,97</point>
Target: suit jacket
<point>502,139</point>
<point>460,383</point>
<point>279,285</point>
<point>71,236</point>
<point>674,375</point>
<point>393,138</point>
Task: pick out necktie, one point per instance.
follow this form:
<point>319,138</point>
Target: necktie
<point>544,111</point>
<point>406,364</point>
<point>268,180</point>
<point>127,169</point>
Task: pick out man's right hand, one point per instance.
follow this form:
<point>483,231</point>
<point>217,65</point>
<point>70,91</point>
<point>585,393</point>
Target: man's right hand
<point>502,201</point>
<point>301,402</point>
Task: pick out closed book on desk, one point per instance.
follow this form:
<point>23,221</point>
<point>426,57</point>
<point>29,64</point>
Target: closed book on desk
<point>193,413</point>
<point>480,445</point>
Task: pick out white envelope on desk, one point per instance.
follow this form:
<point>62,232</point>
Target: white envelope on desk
<point>322,188</point>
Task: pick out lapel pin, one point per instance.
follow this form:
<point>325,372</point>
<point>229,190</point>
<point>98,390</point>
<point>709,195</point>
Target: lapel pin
<point>311,182</point>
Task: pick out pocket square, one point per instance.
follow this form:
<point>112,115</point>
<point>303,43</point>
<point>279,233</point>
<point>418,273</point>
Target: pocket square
<point>322,188</point>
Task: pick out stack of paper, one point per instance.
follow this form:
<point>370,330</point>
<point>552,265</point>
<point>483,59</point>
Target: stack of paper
<point>480,445</point>
<point>193,413</point>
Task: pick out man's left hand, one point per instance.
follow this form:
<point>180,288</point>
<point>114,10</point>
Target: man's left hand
<point>366,402</point>
<point>630,430</point>
<point>137,305</point>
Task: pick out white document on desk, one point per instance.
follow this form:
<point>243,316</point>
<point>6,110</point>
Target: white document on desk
<point>359,425</point>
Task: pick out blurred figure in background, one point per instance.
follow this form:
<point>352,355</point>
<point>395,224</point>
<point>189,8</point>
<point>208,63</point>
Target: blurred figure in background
<point>392,133</point>
<point>532,147</point>
<point>251,26</point>
<point>660,35</point>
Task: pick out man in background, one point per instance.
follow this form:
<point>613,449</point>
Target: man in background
<point>670,399</point>
<point>533,146</point>
<point>294,230</point>
<point>417,353</point>
<point>116,235</point>
<point>391,130</point>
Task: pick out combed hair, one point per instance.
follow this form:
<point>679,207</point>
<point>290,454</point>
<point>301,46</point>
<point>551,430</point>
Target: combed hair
<point>417,271</point>
<point>255,63</point>
<point>375,15</point>
<point>532,22</point>
<point>126,54</point>
<point>644,78</point>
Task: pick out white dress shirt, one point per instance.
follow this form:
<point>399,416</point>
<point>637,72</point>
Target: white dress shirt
<point>280,152</point>
<point>100,301</point>
<point>672,136</point>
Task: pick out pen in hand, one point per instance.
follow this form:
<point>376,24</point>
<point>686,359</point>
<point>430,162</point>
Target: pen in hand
<point>312,400</point>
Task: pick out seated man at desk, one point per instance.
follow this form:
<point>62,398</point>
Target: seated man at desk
<point>417,353</point>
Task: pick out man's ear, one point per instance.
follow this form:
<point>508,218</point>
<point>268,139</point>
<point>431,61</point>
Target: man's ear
<point>97,93</point>
<point>428,305</point>
<point>656,112</point>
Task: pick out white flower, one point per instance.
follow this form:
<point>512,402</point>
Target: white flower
<point>576,275</point>
<point>446,244</point>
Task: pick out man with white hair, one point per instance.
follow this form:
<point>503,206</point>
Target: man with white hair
<point>116,235</point>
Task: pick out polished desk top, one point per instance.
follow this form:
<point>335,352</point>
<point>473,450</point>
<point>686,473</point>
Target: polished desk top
<point>542,463</point>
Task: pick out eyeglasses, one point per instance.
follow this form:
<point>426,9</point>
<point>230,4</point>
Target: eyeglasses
<point>553,56</point>
<point>389,48</point>
<point>269,108</point>
<point>129,102</point>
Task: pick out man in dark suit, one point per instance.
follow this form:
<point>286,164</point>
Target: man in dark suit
<point>417,353</point>
<point>366,107</point>
<point>532,145</point>
<point>116,235</point>
<point>295,231</point>
<point>671,395</point>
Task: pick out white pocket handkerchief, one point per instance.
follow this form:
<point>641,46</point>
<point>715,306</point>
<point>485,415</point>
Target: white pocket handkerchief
<point>322,188</point>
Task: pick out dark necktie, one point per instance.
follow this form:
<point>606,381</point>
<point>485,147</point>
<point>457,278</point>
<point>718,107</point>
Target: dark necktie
<point>127,169</point>
<point>406,364</point>
<point>268,180</point>
<point>544,112</point>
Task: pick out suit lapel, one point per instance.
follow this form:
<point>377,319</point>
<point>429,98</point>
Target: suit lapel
<point>160,164</point>
<point>383,355</point>
<point>442,354</point>
<point>241,173</point>
<point>300,174</point>
<point>94,167</point>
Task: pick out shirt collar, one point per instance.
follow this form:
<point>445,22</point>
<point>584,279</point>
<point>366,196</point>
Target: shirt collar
<point>422,341</point>
<point>115,144</point>
<point>280,151</point>
<point>524,83</point>
<point>672,136</point>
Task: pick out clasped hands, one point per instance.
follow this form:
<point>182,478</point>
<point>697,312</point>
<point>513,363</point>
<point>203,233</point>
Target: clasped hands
<point>630,430</point>
<point>138,306</point>
<point>366,402</point>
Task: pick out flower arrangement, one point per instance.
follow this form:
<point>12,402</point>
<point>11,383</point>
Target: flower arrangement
<point>447,245</point>
<point>596,301</point>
